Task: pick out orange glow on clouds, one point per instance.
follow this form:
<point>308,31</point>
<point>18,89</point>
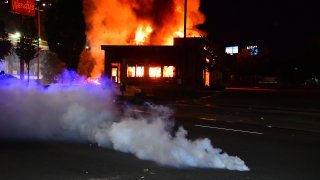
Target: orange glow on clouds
<point>136,22</point>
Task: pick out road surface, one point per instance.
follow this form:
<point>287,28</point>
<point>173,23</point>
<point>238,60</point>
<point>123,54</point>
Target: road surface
<point>260,133</point>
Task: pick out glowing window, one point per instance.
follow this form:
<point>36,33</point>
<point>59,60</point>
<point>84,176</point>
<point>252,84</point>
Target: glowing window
<point>135,71</point>
<point>114,74</point>
<point>155,71</point>
<point>168,71</point>
<point>131,71</point>
<point>140,71</point>
<point>206,77</point>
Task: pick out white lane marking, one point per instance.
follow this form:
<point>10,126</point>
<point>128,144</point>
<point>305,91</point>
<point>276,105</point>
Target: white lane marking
<point>227,129</point>
<point>207,119</point>
<point>137,110</point>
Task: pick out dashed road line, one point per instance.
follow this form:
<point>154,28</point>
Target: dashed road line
<point>228,129</point>
<point>207,119</point>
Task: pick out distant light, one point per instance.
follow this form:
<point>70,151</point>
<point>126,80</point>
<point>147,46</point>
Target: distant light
<point>16,35</point>
<point>232,50</point>
<point>6,2</point>
<point>43,4</point>
<point>253,50</point>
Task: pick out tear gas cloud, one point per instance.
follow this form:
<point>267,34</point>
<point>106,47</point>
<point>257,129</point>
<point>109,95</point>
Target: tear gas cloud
<point>89,113</point>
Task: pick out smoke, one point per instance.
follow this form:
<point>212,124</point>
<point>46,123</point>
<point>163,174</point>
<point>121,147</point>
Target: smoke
<point>2,65</point>
<point>111,22</point>
<point>89,113</point>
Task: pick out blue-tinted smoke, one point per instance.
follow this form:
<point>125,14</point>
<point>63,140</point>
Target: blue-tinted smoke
<point>75,111</point>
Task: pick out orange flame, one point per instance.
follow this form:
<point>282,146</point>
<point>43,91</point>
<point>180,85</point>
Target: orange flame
<point>135,22</point>
<point>95,81</point>
<point>142,34</point>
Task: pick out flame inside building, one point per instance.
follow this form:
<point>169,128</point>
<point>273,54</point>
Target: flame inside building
<point>136,22</point>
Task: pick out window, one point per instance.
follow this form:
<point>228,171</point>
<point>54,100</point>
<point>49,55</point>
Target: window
<point>114,74</point>
<point>206,77</point>
<point>155,71</point>
<point>135,71</point>
<point>131,71</point>
<point>140,71</point>
<point>169,71</point>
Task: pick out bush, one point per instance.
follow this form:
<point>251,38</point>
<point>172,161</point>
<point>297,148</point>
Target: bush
<point>313,81</point>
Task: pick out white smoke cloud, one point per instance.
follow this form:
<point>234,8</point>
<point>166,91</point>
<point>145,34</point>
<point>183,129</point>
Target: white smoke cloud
<point>89,113</point>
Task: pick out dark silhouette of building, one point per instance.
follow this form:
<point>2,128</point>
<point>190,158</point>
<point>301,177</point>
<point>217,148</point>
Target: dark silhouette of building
<point>178,66</point>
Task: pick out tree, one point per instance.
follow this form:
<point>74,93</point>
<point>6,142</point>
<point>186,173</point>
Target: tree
<point>51,67</point>
<point>213,63</point>
<point>65,29</point>
<point>26,49</point>
<point>5,43</point>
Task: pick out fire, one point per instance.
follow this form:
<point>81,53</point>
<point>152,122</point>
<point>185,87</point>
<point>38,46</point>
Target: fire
<point>141,22</point>
<point>142,34</point>
<point>94,81</point>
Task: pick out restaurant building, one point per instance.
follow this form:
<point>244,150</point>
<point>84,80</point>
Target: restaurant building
<point>150,67</point>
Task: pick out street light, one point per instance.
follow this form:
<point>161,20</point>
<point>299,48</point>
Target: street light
<point>39,36</point>
<point>16,35</point>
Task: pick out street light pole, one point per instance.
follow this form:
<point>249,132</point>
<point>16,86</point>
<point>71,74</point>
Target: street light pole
<point>185,19</point>
<point>38,58</point>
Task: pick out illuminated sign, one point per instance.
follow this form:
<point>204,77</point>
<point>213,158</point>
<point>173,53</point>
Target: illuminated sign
<point>232,50</point>
<point>25,7</point>
<point>253,50</point>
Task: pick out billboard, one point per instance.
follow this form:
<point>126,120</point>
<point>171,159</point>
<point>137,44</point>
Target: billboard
<point>25,7</point>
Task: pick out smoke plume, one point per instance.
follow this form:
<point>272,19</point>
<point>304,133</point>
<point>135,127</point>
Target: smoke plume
<point>85,112</point>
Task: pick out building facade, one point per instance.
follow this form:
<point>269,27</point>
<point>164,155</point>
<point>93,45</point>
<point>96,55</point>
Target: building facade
<point>177,66</point>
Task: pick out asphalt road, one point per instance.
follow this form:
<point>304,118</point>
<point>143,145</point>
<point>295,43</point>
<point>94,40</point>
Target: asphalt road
<point>269,152</point>
<point>283,108</point>
<point>271,148</point>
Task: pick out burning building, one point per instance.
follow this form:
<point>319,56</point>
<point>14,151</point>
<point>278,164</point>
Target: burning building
<point>180,65</point>
<point>143,43</point>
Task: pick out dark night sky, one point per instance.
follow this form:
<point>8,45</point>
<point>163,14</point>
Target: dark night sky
<point>261,20</point>
<point>268,22</point>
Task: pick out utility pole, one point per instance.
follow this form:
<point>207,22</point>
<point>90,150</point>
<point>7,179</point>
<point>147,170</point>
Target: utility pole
<point>21,60</point>
<point>39,38</point>
<point>184,63</point>
<point>185,19</point>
